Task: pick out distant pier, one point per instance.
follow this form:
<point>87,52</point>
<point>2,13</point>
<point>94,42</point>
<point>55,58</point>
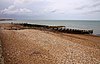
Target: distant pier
<point>6,19</point>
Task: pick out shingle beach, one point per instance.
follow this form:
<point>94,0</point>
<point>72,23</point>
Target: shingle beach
<point>32,46</point>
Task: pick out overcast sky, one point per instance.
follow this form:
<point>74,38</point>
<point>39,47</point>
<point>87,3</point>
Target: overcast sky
<point>50,9</point>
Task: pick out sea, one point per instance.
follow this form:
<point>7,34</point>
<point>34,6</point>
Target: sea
<point>72,24</point>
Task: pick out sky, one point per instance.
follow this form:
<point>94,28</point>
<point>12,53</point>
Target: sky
<point>50,9</point>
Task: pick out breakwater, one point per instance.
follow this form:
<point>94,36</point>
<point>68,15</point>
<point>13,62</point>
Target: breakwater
<point>55,28</point>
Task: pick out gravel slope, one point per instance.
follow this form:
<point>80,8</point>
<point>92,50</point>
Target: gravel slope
<point>43,47</point>
<point>1,56</point>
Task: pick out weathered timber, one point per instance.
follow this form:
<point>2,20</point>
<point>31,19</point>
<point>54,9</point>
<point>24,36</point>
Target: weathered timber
<point>57,28</point>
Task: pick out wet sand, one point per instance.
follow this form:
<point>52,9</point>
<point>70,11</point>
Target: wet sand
<point>32,46</point>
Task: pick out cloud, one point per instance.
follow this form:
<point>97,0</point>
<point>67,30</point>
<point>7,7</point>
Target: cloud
<point>25,1</point>
<point>14,10</point>
<point>81,7</point>
<point>94,11</point>
<point>90,5</point>
<point>50,8</point>
<point>53,11</point>
<point>96,4</point>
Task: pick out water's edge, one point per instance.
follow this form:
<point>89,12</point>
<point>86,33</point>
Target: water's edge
<point>71,24</point>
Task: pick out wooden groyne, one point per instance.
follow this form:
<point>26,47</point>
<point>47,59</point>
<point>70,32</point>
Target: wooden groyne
<point>56,28</point>
<point>74,31</point>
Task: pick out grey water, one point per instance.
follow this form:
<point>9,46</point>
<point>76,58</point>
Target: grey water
<point>73,24</point>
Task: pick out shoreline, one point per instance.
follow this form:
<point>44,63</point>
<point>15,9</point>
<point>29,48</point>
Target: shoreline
<point>96,35</point>
<point>46,27</point>
<point>88,31</point>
